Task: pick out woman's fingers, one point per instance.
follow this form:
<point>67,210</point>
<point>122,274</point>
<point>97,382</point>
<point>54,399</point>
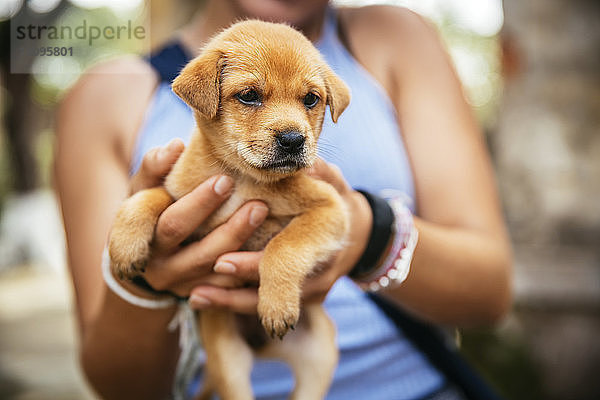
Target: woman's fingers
<point>227,237</point>
<point>184,288</point>
<point>243,300</point>
<point>184,216</point>
<point>242,264</point>
<point>196,260</point>
<point>232,270</point>
<point>156,164</point>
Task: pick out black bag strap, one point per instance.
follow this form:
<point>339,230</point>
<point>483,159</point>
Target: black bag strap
<point>440,352</point>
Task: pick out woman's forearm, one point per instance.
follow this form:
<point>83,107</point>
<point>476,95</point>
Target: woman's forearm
<point>128,352</point>
<point>458,276</point>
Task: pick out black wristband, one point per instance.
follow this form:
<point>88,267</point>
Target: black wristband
<point>381,231</point>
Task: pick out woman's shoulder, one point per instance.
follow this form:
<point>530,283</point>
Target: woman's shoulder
<point>387,40</point>
<point>109,99</point>
<point>389,24</point>
<point>117,80</point>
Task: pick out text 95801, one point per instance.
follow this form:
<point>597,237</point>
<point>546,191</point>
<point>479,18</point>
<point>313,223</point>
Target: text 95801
<point>50,51</point>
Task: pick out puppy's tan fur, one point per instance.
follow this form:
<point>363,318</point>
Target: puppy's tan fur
<point>307,221</point>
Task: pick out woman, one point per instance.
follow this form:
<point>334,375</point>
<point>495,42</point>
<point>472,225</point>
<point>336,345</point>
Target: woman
<point>408,129</point>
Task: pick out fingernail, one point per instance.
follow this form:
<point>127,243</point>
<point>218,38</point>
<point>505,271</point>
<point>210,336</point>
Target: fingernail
<point>224,267</point>
<point>223,185</point>
<point>258,215</point>
<point>173,144</point>
<point>167,149</point>
<point>197,301</point>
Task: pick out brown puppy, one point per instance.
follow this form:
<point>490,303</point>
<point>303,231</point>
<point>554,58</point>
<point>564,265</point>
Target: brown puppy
<point>258,91</point>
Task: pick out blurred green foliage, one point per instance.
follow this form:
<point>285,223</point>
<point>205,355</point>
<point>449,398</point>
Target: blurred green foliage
<point>4,172</point>
<point>49,86</point>
<point>477,59</point>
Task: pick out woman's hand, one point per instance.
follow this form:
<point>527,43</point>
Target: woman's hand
<point>179,269</point>
<point>244,265</point>
<point>359,212</point>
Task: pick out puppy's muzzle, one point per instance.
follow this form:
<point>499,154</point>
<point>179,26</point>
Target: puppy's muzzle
<point>290,142</point>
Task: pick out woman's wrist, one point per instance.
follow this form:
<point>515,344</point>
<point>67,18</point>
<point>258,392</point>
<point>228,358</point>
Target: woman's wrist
<point>358,239</point>
<point>380,234</point>
<point>392,240</point>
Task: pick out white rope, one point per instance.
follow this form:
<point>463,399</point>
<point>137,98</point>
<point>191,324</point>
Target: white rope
<point>192,357</point>
<point>153,304</point>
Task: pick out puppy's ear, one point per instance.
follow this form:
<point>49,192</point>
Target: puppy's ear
<point>338,94</point>
<point>198,83</point>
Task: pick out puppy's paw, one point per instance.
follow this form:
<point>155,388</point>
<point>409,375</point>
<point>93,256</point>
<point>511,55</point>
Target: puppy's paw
<point>130,238</point>
<point>277,317</point>
<point>128,255</point>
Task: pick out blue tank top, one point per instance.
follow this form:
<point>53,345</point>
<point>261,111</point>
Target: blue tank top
<point>376,360</point>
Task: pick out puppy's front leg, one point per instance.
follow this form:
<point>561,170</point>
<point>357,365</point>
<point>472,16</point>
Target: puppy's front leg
<point>133,230</point>
<point>309,239</point>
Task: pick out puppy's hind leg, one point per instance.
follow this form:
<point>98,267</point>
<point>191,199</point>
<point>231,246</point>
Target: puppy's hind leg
<point>228,356</point>
<point>133,230</point>
<point>310,351</point>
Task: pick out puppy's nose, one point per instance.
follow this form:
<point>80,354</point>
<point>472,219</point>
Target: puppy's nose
<point>291,141</point>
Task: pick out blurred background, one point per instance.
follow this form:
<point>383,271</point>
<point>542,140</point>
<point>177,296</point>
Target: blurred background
<point>531,71</point>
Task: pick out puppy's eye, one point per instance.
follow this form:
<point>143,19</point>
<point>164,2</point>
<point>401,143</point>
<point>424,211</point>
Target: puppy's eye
<point>249,97</point>
<point>310,100</point>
